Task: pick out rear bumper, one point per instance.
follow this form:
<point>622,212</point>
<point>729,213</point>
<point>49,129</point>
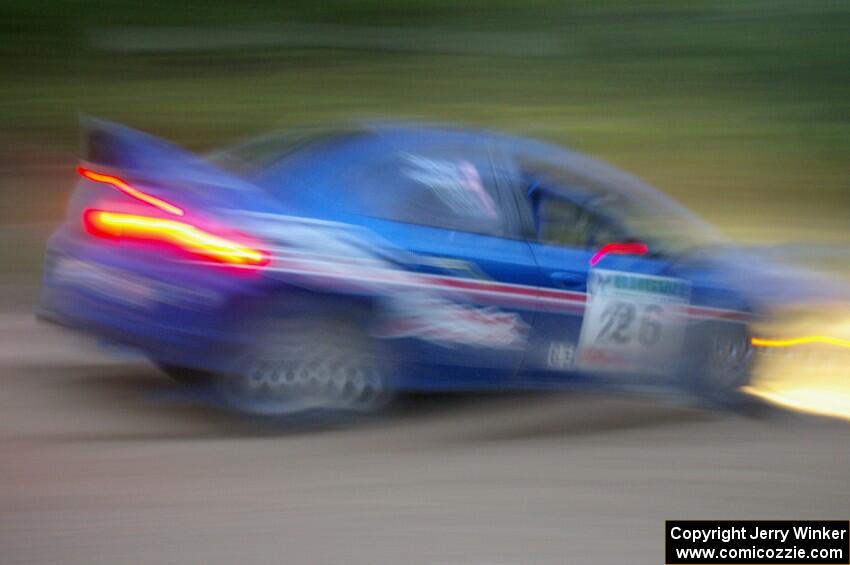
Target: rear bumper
<point>184,314</point>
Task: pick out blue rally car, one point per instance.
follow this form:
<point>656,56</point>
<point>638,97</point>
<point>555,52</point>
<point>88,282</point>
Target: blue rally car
<point>328,268</point>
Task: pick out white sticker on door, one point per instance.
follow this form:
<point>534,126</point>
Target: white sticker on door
<point>633,323</point>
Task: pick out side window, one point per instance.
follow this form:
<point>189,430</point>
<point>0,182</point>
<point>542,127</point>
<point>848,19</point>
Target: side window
<point>446,189</point>
<point>562,222</point>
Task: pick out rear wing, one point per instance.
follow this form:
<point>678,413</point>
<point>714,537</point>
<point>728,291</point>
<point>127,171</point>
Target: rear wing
<point>112,147</point>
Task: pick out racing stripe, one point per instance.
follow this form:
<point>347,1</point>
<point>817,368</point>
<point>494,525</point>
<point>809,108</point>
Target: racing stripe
<point>490,292</point>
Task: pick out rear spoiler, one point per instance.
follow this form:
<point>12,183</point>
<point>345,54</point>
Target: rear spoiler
<point>118,148</point>
<point>114,145</point>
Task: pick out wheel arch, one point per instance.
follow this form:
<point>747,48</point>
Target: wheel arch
<point>296,302</point>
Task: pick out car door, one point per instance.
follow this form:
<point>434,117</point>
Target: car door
<point>571,243</point>
<point>469,319</point>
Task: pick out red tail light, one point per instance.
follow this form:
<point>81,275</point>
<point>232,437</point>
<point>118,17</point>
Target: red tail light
<point>130,191</point>
<point>182,235</point>
<point>635,248</point>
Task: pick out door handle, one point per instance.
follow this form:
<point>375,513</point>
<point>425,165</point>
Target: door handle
<point>567,279</point>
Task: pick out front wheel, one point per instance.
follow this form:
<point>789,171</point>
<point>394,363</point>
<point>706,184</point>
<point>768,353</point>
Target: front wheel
<point>718,361</point>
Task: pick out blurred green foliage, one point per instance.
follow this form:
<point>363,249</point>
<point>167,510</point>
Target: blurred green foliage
<point>737,107</point>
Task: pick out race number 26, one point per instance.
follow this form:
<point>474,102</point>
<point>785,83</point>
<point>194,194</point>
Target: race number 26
<point>622,322</point>
<point>632,322</point>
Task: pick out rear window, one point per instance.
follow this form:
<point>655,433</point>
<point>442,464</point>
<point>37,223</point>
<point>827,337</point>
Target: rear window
<point>257,154</point>
<point>441,188</point>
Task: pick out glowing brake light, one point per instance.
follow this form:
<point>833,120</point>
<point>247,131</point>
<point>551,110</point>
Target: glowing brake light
<point>180,234</point>
<point>122,186</point>
<point>636,248</point>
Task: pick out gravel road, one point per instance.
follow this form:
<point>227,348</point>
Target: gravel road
<point>103,460</point>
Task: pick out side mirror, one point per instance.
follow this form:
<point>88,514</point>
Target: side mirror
<point>630,248</point>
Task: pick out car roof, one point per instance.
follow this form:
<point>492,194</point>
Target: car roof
<point>372,140</point>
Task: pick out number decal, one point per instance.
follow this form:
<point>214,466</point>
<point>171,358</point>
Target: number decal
<point>650,325</point>
<point>617,318</point>
<point>632,322</point>
<point>608,318</point>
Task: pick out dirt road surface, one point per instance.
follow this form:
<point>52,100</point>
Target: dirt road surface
<point>102,461</point>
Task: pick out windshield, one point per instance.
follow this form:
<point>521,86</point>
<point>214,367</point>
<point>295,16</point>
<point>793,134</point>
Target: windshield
<point>642,212</point>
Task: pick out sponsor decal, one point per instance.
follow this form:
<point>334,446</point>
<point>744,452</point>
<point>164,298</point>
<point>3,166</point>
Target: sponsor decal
<point>561,355</point>
<point>121,286</point>
<point>449,324</point>
<point>601,282</point>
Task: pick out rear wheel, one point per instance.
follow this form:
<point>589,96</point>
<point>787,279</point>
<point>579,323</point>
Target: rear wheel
<point>295,365</point>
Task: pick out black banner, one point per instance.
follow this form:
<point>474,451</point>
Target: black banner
<point>759,542</point>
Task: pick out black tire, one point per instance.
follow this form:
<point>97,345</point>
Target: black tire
<point>718,361</point>
<point>185,375</point>
<point>300,364</point>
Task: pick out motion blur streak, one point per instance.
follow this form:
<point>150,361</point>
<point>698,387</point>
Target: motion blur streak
<point>809,339</point>
<point>808,400</point>
<point>130,191</point>
<point>808,374</point>
<point>180,234</point>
